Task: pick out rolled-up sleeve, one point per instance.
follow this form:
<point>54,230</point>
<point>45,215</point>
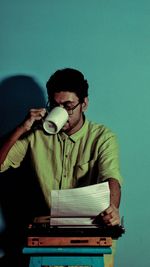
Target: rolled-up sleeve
<point>109,163</point>
<point>15,155</point>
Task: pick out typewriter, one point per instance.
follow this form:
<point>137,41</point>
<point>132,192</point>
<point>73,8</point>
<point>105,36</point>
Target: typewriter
<point>42,233</point>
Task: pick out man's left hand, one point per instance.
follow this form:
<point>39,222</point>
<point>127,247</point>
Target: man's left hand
<point>111,216</point>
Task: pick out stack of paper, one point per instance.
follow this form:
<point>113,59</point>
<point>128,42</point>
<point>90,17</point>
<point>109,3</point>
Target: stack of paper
<point>78,206</point>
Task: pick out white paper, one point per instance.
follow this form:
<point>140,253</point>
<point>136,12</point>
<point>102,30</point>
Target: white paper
<point>78,206</point>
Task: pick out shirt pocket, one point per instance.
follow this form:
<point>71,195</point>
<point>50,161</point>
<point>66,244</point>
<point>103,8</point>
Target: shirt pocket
<point>86,173</point>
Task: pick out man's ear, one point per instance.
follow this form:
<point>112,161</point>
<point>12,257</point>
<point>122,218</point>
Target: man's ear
<point>85,104</point>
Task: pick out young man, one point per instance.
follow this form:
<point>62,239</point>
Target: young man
<point>82,153</point>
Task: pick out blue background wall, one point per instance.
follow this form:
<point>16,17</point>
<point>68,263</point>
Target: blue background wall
<point>109,41</point>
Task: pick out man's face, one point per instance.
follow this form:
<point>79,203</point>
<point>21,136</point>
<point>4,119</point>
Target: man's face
<point>69,100</point>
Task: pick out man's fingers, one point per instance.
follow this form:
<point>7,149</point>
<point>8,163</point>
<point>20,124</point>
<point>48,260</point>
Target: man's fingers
<point>111,216</point>
<point>33,115</point>
<point>113,222</point>
<point>37,113</point>
<point>107,211</point>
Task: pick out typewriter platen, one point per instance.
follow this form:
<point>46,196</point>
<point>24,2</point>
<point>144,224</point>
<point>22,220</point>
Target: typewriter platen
<point>42,233</point>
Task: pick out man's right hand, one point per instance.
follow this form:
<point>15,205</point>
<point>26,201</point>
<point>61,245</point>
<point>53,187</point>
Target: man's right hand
<point>33,115</point>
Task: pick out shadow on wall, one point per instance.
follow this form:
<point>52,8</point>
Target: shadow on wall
<point>18,94</point>
<point>20,195</point>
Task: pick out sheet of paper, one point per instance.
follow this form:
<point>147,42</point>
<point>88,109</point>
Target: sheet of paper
<point>78,206</point>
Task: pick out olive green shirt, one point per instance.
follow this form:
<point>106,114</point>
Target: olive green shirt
<point>60,161</point>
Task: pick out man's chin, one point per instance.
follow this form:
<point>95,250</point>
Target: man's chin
<point>66,127</point>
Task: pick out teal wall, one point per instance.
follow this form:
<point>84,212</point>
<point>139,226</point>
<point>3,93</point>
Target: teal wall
<point>109,41</point>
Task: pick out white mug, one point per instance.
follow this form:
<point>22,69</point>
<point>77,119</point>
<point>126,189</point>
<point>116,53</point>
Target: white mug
<point>55,120</point>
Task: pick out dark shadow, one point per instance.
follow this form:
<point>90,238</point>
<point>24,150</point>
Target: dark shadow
<point>17,95</point>
<point>20,195</point>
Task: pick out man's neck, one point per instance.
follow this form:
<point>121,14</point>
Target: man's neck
<point>77,127</point>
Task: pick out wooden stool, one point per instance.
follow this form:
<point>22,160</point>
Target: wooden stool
<point>51,256</point>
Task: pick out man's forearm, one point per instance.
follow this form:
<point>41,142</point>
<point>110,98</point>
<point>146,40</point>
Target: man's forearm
<point>9,143</point>
<point>115,192</point>
<point>25,126</point>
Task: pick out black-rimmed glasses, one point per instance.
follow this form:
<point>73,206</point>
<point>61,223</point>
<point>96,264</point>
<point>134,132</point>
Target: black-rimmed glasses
<point>69,109</point>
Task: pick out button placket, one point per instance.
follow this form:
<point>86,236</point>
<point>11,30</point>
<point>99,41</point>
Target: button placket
<point>65,161</point>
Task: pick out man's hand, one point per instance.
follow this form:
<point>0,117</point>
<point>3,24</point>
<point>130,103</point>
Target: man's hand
<point>34,115</point>
<point>110,216</point>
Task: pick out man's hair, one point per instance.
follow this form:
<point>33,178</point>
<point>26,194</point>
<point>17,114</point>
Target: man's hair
<point>67,79</point>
